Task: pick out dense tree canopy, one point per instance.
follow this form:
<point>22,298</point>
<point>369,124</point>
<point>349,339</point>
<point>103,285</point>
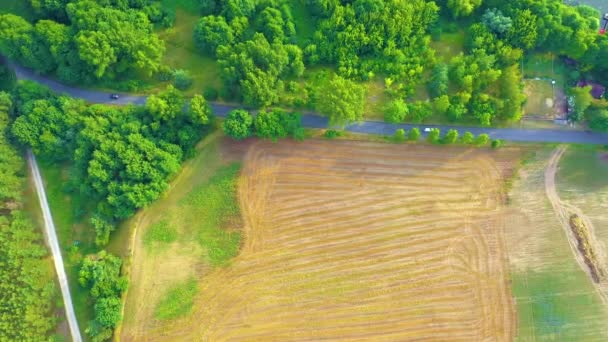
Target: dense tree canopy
<point>101,274</point>
<point>123,157</point>
<point>27,287</point>
<point>91,40</point>
<point>341,100</point>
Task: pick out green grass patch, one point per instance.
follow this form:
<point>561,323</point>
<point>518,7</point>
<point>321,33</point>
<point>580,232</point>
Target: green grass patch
<point>448,45</point>
<point>76,239</point>
<point>160,233</point>
<point>177,302</point>
<point>182,54</point>
<point>545,65</point>
<point>584,167</point>
<point>213,207</point>
<point>540,98</point>
<point>557,305</point>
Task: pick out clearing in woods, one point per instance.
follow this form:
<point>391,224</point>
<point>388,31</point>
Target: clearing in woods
<point>361,240</point>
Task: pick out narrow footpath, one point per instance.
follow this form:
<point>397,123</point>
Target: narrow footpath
<point>53,242</point>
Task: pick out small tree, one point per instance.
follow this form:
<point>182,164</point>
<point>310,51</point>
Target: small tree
<point>497,143</point>
<point>182,79</point>
<point>467,138</point>
<point>238,124</point>
<point>442,104</point>
<point>414,134</point>
<point>399,135</point>
<point>450,137</point>
<point>482,139</point>
<point>433,136</point>
<point>395,111</point>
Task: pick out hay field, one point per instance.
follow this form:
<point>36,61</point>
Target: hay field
<point>355,240</point>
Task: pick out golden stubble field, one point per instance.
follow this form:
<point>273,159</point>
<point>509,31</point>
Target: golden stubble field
<point>358,240</point>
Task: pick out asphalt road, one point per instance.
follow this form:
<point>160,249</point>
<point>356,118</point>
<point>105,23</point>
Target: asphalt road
<point>315,121</point>
<point>49,229</point>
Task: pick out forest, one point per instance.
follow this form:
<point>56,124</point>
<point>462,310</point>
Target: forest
<point>267,57</point>
<point>27,288</point>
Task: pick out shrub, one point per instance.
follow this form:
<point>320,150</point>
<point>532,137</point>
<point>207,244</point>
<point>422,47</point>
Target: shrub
<point>182,79</point>
<point>238,124</point>
<point>413,134</point>
<point>482,139</point>
<point>210,94</point>
<point>395,111</point>
<point>399,135</point>
<point>450,137</point>
<point>497,143</point>
<point>434,136</point>
<point>332,133</point>
<point>467,138</point>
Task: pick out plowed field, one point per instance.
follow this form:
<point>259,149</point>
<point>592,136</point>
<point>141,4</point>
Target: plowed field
<point>356,240</point>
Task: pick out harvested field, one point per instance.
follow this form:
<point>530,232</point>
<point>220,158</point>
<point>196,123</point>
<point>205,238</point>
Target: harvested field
<point>355,240</point>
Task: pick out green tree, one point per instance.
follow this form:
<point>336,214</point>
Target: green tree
<point>496,21</point>
<point>497,143</point>
<point>451,137</point>
<point>211,32</point>
<point>182,79</point>
<point>341,100</point>
<point>524,31</point>
<point>482,139</point>
<point>467,138</point>
<point>200,111</point>
<point>442,104</point>
<point>582,100</point>
<point>463,8</point>
<point>395,111</point>
<point>598,119</point>
<point>433,136</point>
<point>438,84</point>
<point>238,124</point>
<point>399,135</point>
<point>413,134</point>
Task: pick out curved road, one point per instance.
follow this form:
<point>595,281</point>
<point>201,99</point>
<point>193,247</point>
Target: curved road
<point>49,228</point>
<point>315,121</point>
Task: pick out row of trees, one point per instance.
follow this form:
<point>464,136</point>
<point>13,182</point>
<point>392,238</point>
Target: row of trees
<point>101,275</point>
<point>275,124</point>
<point>451,137</point>
<point>27,286</point>
<point>83,41</point>
<point>122,158</point>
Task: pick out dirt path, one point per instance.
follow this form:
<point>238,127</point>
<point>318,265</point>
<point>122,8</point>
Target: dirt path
<point>563,212</point>
<point>53,242</point>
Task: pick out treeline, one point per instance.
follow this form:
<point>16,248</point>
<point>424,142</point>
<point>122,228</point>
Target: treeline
<point>122,157</point>
<point>27,287</point>
<point>84,41</point>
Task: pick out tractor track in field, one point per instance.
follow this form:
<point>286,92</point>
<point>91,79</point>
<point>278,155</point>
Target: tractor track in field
<point>564,212</point>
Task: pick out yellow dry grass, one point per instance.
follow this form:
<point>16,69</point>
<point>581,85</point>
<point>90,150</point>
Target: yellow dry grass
<point>355,240</point>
